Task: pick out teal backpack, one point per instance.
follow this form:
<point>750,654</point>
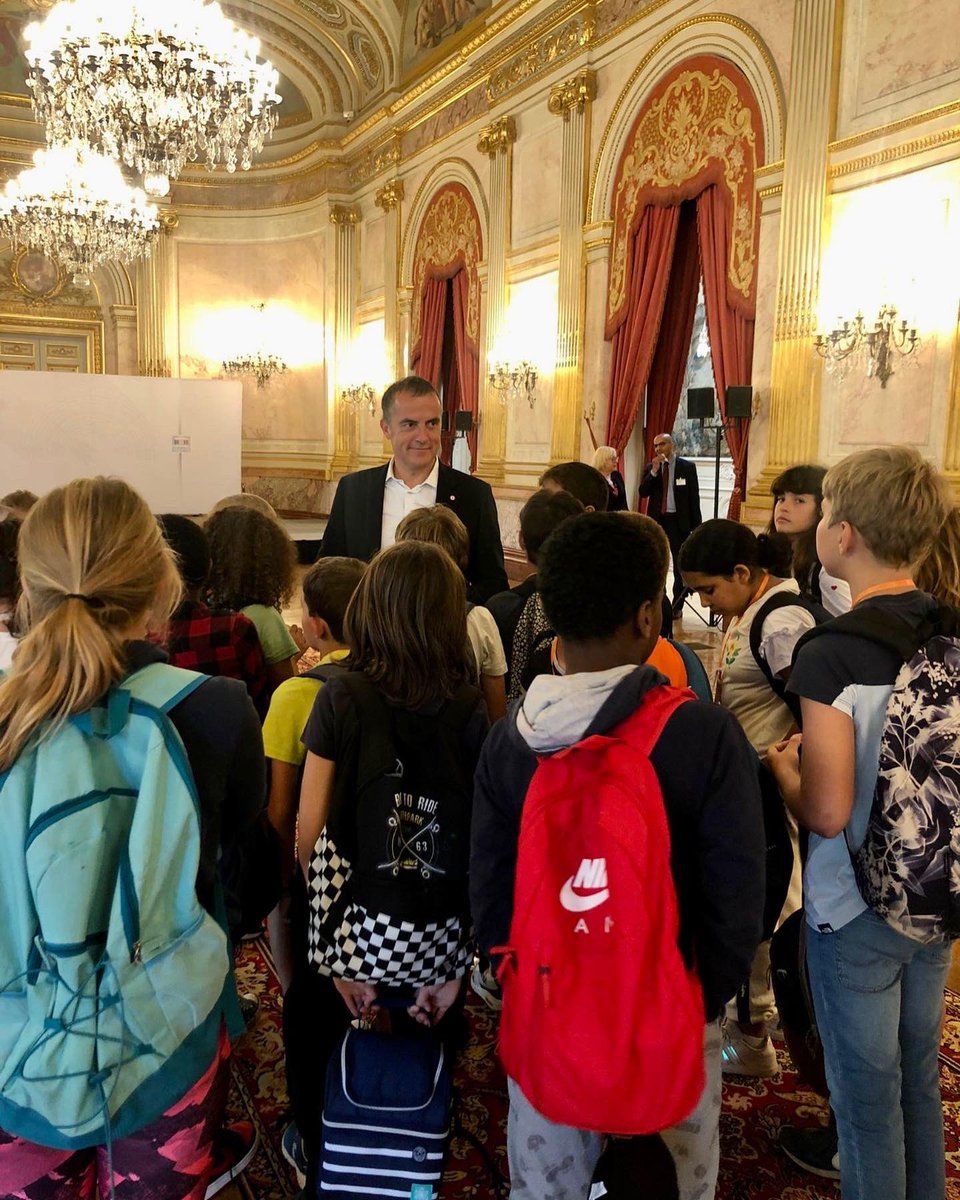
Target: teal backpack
<point>114,980</point>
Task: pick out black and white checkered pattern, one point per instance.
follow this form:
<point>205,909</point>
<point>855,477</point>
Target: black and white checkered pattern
<point>373,947</point>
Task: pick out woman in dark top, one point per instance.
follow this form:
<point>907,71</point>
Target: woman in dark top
<point>605,459</point>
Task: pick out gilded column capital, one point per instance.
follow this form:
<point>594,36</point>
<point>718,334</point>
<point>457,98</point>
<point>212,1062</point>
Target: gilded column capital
<point>344,214</point>
<point>169,220</point>
<point>390,195</point>
<point>498,137</point>
<point>573,94</point>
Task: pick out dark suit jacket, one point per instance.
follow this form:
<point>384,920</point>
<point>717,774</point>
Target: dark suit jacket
<point>686,490</point>
<point>617,501</point>
<point>357,516</point>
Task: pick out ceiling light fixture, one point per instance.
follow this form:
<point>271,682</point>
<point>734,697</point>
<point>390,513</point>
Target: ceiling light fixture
<point>74,206</point>
<point>153,83</point>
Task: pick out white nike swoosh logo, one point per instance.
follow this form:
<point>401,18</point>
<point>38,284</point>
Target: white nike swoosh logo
<point>574,903</point>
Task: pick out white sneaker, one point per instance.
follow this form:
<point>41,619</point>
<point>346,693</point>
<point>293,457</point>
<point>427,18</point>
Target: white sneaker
<point>745,1055</point>
<point>484,983</point>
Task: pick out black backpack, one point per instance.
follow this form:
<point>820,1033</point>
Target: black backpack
<point>782,600</point>
<point>405,829</point>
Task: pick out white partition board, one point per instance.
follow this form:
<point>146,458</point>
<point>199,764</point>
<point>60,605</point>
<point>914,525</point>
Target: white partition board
<point>177,441</point>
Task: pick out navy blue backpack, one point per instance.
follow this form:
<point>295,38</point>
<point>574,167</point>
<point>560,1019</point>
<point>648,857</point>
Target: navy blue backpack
<point>387,1117</point>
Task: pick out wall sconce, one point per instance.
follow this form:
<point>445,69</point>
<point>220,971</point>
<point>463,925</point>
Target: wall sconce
<point>519,378</point>
<point>852,339</point>
<point>359,396</point>
<point>262,366</point>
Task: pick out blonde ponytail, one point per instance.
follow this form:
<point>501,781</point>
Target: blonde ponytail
<point>93,563</point>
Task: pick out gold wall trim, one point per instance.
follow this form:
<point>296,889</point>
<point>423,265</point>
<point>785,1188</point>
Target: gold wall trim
<point>78,326</point>
<point>775,189</point>
<point>542,54</point>
<point>880,158</point>
<point>881,131</point>
<point>706,18</point>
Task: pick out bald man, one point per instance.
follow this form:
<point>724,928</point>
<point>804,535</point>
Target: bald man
<point>672,491</point>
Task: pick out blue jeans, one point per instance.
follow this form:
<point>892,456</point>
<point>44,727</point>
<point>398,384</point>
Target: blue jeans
<point>879,1002</point>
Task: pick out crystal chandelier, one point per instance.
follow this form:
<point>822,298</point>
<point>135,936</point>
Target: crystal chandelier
<point>877,345</point>
<point>261,364</point>
<point>359,396</point>
<point>153,83</point>
<point>520,378</point>
<point>74,206</point>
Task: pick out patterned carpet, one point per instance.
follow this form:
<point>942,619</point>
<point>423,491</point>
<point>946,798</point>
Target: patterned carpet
<point>752,1168</point>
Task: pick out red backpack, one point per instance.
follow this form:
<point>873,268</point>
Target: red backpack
<point>602,1022</point>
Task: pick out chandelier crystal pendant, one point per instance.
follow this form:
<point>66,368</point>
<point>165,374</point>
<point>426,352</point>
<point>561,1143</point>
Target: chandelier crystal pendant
<point>74,206</point>
<point>153,83</point>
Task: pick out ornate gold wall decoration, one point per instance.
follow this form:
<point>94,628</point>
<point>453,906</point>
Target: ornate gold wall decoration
<point>700,126</point>
<point>540,55</point>
<point>496,138</point>
<point>573,93</point>
<point>344,214</point>
<point>449,238</point>
<point>374,162</point>
<point>40,279</point>
<point>365,57</point>
<point>390,195</point>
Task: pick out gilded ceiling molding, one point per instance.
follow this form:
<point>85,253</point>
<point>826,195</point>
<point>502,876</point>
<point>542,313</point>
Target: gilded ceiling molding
<point>542,55</point>
<point>374,162</point>
<point>881,158</point>
<point>497,137</point>
<point>449,239</point>
<point>882,131</point>
<point>700,127</point>
<point>573,94</point>
<point>344,214</point>
<point>390,195</point>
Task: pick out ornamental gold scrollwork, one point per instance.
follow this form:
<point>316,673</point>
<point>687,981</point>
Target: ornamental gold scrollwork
<point>497,137</point>
<point>450,234</point>
<point>344,214</point>
<point>699,124</point>
<point>390,195</point>
<point>573,94</point>
<point>542,54</point>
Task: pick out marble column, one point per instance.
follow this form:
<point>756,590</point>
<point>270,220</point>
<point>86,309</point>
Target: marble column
<point>496,142</point>
<point>794,432</point>
<point>344,218</point>
<point>152,290</point>
<point>571,100</point>
<point>389,198</point>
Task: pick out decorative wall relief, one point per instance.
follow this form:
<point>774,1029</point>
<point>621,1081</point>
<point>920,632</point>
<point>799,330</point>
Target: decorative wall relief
<point>700,126</point>
<point>449,238</point>
<point>543,54</point>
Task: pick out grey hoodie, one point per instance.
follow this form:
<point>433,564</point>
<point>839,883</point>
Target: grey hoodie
<point>708,777</point>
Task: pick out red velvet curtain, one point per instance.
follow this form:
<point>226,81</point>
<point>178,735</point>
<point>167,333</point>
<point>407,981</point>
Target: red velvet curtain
<point>669,366</point>
<point>467,360</point>
<point>730,330</point>
<point>427,358</point>
<point>636,339</point>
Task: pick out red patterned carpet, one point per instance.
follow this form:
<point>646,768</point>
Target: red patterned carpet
<point>752,1168</point>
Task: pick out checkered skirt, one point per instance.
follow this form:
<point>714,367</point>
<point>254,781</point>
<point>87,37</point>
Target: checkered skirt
<point>372,947</point>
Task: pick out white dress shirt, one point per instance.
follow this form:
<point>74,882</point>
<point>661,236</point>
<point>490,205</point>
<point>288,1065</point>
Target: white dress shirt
<point>398,500</point>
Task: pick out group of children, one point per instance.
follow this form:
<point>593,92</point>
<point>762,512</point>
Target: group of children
<point>393,779</point>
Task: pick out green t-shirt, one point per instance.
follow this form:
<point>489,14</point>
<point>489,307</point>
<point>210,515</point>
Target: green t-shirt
<point>275,637</point>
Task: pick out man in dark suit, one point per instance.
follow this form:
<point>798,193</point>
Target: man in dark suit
<point>672,491</point>
<point>370,504</point>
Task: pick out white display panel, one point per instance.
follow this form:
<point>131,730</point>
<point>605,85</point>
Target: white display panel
<point>58,427</point>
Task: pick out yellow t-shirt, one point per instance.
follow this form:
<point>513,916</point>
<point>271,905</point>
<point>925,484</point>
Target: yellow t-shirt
<point>290,707</point>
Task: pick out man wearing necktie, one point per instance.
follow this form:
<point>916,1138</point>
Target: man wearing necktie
<point>672,491</point>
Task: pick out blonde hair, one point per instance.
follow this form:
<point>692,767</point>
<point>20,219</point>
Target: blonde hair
<point>406,625</point>
<point>601,454</point>
<point>441,527</point>
<point>246,500</point>
<point>893,497</point>
<point>939,572</point>
<point>93,561</point>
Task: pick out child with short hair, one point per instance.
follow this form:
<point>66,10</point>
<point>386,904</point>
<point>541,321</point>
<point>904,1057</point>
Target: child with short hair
<point>9,589</point>
<point>580,480</point>
<point>252,568</point>
<point>442,527</point>
<point>608,623</point>
<point>388,909</point>
<point>198,638</point>
<point>878,994</point>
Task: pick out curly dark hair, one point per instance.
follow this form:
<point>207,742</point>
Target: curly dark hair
<point>252,560</point>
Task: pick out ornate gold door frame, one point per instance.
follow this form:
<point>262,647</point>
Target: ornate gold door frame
<point>89,330</point>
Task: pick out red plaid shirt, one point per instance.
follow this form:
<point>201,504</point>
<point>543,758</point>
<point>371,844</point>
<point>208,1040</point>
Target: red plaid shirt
<point>219,643</point>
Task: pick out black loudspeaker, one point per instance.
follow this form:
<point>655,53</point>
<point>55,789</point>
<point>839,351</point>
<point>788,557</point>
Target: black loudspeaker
<point>700,404</point>
<point>464,421</point>
<point>740,401</point>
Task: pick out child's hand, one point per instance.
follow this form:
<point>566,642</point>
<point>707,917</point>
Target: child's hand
<point>433,1001</point>
<point>360,998</point>
<point>297,634</point>
<point>783,759</point>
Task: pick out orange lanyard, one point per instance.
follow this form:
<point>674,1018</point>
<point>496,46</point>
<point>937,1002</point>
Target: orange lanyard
<point>735,624</point>
<point>878,589</point>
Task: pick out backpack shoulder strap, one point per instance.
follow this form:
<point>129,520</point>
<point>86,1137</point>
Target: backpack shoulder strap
<point>642,729</point>
<point>163,686</point>
<point>887,629</point>
<point>776,601</point>
<point>325,671</point>
<point>377,738</point>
